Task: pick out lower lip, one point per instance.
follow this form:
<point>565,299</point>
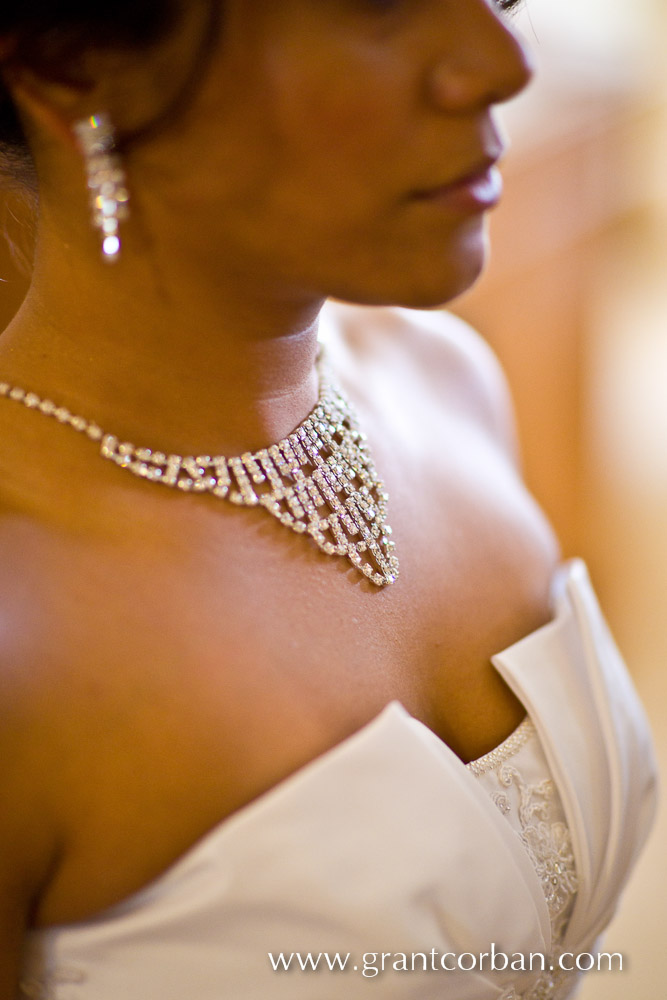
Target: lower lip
<point>476,193</point>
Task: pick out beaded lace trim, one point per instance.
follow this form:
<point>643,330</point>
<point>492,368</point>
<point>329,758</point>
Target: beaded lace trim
<point>504,751</point>
<point>546,838</point>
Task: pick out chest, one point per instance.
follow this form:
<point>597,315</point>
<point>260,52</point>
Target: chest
<point>223,652</point>
<point>230,608</point>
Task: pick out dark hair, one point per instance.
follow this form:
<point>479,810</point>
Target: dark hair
<point>49,37</point>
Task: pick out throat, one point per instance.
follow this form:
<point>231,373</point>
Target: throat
<point>172,386</point>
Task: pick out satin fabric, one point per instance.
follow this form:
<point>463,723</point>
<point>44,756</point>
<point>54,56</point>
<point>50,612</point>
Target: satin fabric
<point>388,844</point>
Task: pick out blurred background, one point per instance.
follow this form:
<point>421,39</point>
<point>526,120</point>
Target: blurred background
<point>575,304</point>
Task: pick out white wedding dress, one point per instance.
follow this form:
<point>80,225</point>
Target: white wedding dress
<point>389,845</point>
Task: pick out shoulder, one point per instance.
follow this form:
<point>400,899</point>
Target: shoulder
<point>450,360</point>
<point>29,759</point>
<point>33,694</point>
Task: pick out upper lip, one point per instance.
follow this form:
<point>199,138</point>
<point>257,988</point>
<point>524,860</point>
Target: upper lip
<point>467,173</point>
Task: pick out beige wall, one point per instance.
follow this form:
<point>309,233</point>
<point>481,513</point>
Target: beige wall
<point>575,303</point>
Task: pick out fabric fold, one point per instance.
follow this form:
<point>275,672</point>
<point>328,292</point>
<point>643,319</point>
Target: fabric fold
<point>572,680</point>
<point>387,844</point>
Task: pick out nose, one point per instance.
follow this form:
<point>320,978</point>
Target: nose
<point>489,64</point>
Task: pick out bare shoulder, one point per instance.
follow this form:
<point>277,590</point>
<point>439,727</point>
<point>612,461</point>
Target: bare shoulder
<point>443,353</point>
<point>29,841</point>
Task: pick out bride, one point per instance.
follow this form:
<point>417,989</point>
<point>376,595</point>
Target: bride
<point>288,663</point>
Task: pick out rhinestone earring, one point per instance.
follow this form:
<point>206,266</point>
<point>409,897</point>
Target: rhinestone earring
<point>106,180</point>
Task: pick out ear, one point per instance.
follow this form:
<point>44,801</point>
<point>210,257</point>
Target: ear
<point>135,86</point>
<point>52,106</point>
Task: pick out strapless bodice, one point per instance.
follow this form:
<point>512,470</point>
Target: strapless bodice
<point>388,844</point>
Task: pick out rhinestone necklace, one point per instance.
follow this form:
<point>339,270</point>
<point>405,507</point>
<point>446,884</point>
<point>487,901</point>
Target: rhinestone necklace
<point>319,480</point>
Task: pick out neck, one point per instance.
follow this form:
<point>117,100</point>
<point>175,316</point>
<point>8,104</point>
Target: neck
<point>166,357</point>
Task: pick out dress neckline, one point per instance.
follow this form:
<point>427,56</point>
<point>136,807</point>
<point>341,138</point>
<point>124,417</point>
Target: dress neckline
<point>391,719</point>
<point>392,714</point>
<point>509,746</point>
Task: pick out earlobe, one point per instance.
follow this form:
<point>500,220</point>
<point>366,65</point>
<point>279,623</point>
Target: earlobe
<point>52,106</point>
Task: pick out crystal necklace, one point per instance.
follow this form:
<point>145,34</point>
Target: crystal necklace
<point>319,480</point>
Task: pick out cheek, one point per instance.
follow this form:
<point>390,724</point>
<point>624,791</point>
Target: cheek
<point>340,115</point>
<point>336,125</point>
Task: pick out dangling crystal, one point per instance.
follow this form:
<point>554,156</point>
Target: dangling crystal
<point>320,480</point>
<point>105,178</point>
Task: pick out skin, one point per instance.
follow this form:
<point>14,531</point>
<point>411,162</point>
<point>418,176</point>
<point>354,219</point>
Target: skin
<point>199,653</point>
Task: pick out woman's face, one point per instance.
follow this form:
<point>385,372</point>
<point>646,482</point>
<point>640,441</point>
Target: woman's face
<point>345,147</point>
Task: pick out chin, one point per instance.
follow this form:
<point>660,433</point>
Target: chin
<point>425,288</point>
<point>428,277</point>
<point>436,292</point>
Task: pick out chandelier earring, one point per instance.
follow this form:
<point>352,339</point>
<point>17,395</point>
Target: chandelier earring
<point>106,180</point>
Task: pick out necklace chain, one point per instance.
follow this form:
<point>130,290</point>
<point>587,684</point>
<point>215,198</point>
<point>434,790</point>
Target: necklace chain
<point>319,480</point>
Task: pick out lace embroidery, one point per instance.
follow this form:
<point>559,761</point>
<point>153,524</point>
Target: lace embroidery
<point>507,749</point>
<point>547,841</point>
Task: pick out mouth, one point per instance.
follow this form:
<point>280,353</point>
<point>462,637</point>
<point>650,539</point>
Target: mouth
<point>478,190</point>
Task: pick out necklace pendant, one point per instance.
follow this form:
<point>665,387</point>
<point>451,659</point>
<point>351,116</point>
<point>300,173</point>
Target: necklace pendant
<point>320,480</point>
